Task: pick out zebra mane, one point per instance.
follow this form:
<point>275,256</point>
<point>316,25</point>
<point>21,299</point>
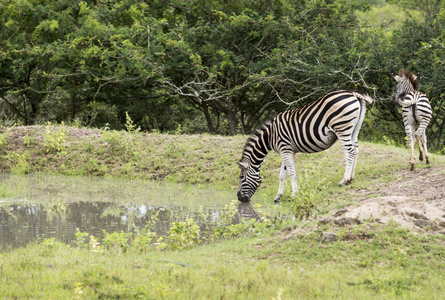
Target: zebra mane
<point>411,77</point>
<point>254,136</point>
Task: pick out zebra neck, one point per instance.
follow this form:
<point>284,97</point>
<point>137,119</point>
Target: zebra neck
<point>401,96</point>
<point>258,146</point>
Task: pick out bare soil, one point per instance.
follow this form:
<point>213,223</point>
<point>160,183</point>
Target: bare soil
<point>415,200</point>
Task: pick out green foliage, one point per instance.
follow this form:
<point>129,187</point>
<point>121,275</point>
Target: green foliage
<point>116,240</point>
<point>213,66</point>
<point>130,126</point>
<point>181,235</point>
<point>54,139</point>
<point>50,245</point>
<point>20,162</point>
<point>81,238</point>
<point>4,138</point>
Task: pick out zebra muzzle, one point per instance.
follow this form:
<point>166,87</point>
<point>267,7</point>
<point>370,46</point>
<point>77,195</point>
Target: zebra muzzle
<point>243,198</point>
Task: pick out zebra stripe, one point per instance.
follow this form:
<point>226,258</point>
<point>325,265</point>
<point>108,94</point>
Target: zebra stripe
<point>416,110</point>
<point>312,128</point>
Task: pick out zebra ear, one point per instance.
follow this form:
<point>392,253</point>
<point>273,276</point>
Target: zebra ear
<point>243,165</point>
<point>414,77</point>
<point>397,78</point>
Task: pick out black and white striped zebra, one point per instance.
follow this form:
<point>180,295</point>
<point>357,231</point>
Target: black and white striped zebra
<point>416,110</point>
<point>312,128</point>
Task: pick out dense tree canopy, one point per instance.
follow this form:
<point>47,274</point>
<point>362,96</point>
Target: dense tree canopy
<point>220,66</point>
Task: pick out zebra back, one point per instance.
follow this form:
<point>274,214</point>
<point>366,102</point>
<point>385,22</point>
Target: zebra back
<point>311,128</point>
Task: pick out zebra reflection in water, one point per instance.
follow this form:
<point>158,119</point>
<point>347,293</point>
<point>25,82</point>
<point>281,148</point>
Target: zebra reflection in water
<point>246,213</point>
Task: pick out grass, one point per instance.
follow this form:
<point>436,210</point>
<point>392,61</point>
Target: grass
<point>389,263</point>
<point>366,261</point>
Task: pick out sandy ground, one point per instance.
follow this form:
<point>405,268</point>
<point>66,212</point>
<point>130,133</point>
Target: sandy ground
<point>415,200</point>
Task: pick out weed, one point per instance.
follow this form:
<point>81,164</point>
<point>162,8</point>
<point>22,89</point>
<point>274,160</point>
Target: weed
<point>130,126</point>
<point>305,203</point>
<point>20,162</point>
<point>4,138</point>
<point>81,238</point>
<point>116,240</point>
<point>95,245</point>
<point>123,143</point>
<point>181,235</point>
<point>146,235</point>
<point>51,244</point>
<point>54,140</point>
<point>27,140</point>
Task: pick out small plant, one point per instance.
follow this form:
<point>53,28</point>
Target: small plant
<point>181,235</point>
<point>116,240</point>
<point>126,144</point>
<point>26,140</point>
<point>304,204</point>
<point>81,238</point>
<point>130,126</point>
<point>51,244</point>
<point>4,138</point>
<point>55,141</point>
<point>95,245</point>
<point>146,235</point>
<point>21,165</point>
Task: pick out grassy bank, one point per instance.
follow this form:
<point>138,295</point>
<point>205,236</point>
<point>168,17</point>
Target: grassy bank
<point>196,159</point>
<point>365,261</point>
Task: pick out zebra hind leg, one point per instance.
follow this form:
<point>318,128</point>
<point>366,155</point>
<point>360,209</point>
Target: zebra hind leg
<point>350,156</point>
<point>411,146</point>
<point>420,146</point>
<point>422,141</point>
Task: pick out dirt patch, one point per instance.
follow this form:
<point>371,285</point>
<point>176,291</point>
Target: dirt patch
<point>415,200</point>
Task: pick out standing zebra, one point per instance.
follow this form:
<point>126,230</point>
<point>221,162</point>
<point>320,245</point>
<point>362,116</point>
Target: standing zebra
<point>312,128</point>
<point>416,109</point>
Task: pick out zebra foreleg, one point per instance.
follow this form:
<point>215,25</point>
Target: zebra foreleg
<point>283,175</point>
<point>287,168</point>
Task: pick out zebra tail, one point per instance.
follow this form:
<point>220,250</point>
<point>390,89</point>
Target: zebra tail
<point>367,99</point>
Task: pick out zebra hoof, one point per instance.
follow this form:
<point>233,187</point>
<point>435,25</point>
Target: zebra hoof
<point>344,182</point>
<point>412,168</point>
<point>427,161</point>
<point>421,157</point>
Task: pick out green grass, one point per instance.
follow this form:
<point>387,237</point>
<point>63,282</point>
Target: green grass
<point>388,263</point>
<point>367,261</point>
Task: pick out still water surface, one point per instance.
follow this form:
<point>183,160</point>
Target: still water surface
<point>36,207</point>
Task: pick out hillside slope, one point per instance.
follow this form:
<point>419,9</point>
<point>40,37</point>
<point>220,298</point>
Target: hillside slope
<point>384,188</point>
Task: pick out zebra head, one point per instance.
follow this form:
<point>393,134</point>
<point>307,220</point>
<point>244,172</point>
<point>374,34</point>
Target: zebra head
<point>249,181</point>
<point>406,83</point>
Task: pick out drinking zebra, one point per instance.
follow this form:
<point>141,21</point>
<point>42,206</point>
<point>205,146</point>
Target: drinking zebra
<point>312,128</point>
<point>416,109</point>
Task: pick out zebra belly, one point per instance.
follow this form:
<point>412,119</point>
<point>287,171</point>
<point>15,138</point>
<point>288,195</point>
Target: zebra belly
<point>325,141</point>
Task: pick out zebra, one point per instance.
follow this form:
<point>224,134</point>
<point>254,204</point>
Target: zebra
<point>416,109</point>
<point>312,128</point>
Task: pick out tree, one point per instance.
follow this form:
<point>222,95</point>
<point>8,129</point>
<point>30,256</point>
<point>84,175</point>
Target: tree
<point>244,58</point>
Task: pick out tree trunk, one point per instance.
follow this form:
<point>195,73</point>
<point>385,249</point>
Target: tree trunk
<point>73,100</point>
<point>205,110</point>
<point>231,122</point>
